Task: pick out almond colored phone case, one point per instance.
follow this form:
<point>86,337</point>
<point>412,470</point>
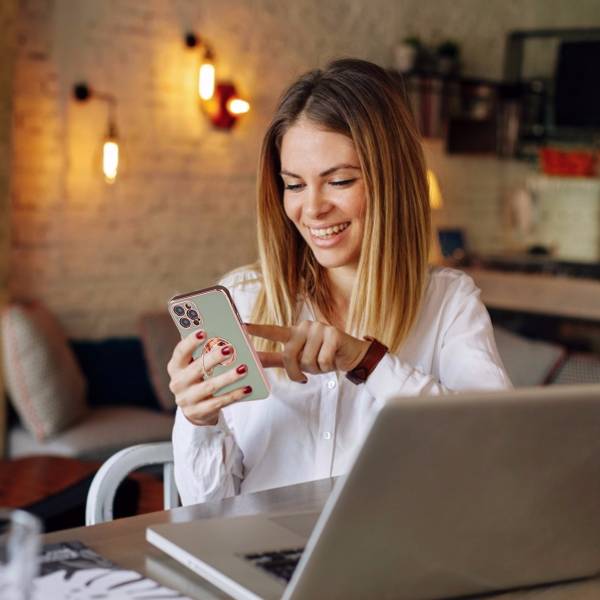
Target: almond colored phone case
<point>214,311</point>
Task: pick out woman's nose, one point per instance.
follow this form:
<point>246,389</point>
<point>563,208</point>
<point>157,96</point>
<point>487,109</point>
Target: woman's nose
<point>316,203</point>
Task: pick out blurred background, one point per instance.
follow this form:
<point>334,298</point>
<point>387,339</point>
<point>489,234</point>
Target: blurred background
<point>501,92</point>
<point>182,211</point>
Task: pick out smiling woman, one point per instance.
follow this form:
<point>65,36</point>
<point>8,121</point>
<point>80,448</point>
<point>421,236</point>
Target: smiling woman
<point>327,207</point>
<point>341,300</point>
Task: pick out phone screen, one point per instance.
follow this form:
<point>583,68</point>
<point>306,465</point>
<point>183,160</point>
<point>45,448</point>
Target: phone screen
<point>213,311</point>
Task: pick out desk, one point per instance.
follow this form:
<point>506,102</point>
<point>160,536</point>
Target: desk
<point>123,541</point>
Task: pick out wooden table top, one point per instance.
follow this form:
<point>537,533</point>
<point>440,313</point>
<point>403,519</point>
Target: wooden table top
<point>29,480</point>
<point>123,541</point>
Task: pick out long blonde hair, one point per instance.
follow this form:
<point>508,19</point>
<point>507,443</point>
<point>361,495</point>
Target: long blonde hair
<point>363,102</point>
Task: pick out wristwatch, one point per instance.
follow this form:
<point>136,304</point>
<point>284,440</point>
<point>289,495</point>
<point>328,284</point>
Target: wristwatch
<point>370,360</point>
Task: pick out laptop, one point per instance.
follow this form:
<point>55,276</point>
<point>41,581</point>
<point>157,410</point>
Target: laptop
<point>448,496</point>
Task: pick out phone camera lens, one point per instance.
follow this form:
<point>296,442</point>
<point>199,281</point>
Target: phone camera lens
<point>179,311</point>
<point>185,322</point>
<point>192,314</point>
<point>196,322</point>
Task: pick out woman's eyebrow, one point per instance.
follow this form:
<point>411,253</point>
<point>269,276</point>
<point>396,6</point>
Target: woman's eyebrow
<point>324,173</point>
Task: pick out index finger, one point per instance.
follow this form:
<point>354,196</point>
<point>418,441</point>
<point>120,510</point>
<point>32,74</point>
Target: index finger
<point>276,333</point>
<point>270,359</point>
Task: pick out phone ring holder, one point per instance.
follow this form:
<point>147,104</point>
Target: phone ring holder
<point>203,372</point>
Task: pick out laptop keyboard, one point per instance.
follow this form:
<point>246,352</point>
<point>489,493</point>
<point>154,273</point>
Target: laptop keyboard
<point>281,563</point>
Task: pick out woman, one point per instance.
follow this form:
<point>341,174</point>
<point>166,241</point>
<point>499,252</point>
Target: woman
<point>343,237</point>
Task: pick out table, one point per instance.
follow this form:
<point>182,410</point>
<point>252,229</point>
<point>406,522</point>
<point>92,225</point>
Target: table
<point>123,541</point>
<point>55,488</point>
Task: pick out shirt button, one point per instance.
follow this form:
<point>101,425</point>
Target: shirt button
<point>327,435</point>
<point>331,384</point>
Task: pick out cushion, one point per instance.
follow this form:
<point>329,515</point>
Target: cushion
<point>43,380</point>
<point>159,337</point>
<point>102,433</point>
<point>578,368</point>
<point>528,362</point>
<point>116,372</point>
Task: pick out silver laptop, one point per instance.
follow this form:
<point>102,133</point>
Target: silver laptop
<point>448,496</point>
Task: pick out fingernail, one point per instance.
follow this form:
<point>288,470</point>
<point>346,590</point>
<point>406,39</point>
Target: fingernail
<point>248,389</point>
<point>241,369</point>
<point>200,335</point>
<point>226,350</point>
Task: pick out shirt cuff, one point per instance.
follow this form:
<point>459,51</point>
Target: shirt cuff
<point>189,433</point>
<point>387,378</point>
<point>393,377</point>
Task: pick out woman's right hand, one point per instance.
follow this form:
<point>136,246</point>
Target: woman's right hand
<point>194,393</point>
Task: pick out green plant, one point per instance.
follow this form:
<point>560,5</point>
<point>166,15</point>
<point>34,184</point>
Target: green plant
<point>448,49</point>
<point>412,40</point>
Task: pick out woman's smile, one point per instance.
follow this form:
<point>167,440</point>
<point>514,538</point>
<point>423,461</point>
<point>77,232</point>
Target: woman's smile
<point>325,237</point>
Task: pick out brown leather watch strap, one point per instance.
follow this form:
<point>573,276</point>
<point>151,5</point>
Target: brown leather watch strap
<point>370,360</point>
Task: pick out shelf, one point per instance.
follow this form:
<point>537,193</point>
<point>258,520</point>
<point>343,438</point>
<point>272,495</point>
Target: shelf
<point>537,293</point>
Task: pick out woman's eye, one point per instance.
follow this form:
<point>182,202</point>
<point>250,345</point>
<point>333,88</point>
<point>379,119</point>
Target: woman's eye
<point>342,182</point>
<point>293,187</point>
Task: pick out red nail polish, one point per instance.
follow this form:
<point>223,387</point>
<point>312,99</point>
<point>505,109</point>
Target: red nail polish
<point>241,369</point>
<point>200,335</point>
<point>248,389</point>
<point>226,351</point>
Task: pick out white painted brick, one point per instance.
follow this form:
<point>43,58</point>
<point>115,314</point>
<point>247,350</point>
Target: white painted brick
<point>182,212</point>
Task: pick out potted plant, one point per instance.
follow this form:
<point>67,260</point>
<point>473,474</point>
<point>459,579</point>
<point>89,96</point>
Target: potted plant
<point>406,53</point>
<point>448,56</point>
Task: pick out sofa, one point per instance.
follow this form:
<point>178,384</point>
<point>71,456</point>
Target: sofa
<point>83,398</point>
<point>88,399</point>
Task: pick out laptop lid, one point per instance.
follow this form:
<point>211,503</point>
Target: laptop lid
<point>463,494</point>
<point>448,496</point>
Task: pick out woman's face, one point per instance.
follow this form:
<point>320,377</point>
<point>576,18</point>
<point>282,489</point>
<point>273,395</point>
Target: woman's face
<point>324,193</point>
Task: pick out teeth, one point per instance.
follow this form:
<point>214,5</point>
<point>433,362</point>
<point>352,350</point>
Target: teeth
<point>329,230</point>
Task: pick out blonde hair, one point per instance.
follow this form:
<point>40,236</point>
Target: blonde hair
<point>363,102</point>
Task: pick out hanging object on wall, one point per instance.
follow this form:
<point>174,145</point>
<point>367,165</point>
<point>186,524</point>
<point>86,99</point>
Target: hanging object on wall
<point>219,99</point>
<point>110,145</point>
<point>206,76</point>
<point>436,200</point>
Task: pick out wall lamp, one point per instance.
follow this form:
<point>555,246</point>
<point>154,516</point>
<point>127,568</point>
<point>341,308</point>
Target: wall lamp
<point>110,145</point>
<point>219,99</point>
<point>436,200</point>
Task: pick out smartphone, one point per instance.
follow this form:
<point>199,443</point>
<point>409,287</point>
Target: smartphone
<point>213,311</point>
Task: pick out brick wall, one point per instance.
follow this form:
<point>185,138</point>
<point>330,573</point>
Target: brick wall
<point>182,212</point>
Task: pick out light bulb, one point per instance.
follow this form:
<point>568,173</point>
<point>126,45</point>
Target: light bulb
<point>206,79</point>
<point>435,194</point>
<point>237,106</point>
<point>110,159</point>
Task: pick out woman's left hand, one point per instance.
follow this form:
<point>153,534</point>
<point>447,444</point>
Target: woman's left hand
<point>310,347</point>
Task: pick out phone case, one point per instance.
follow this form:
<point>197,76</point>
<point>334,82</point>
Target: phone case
<point>214,311</point>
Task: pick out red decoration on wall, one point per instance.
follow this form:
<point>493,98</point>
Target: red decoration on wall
<point>221,117</point>
<point>568,162</point>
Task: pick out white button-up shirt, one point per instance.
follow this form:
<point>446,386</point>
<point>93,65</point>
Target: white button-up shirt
<point>312,431</point>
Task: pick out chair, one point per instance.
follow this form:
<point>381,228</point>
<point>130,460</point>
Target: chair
<point>101,495</point>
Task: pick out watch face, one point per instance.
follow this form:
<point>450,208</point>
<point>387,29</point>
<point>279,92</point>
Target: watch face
<point>358,375</point>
